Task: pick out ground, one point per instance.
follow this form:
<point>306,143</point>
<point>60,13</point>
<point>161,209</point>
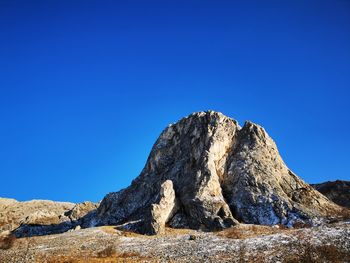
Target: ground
<point>244,243</point>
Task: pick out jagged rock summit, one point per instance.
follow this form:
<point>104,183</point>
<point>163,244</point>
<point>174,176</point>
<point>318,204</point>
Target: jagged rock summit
<point>206,172</point>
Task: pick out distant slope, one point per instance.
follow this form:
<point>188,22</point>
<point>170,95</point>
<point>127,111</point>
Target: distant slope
<point>45,214</point>
<point>13,213</point>
<point>337,191</point>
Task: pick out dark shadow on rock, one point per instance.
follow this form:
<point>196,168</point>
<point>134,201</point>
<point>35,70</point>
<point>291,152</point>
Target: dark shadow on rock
<point>31,230</point>
<point>28,230</point>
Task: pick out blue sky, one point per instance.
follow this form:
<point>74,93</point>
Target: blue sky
<point>86,87</point>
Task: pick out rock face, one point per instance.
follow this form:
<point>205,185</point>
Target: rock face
<point>81,211</point>
<point>221,174</point>
<point>14,213</point>
<point>337,191</point>
<point>41,217</point>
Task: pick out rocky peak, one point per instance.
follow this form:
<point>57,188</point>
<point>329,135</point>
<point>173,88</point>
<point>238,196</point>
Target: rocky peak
<point>221,174</point>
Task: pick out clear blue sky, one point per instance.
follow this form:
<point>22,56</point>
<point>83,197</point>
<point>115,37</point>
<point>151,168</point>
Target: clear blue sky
<point>86,87</point>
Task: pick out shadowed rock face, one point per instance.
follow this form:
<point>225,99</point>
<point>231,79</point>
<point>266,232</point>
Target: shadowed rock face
<point>337,191</point>
<point>220,173</point>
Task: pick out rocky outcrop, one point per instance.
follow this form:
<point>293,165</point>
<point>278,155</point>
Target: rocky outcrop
<point>80,210</point>
<point>41,217</point>
<point>337,191</point>
<point>261,189</point>
<point>14,213</point>
<point>221,174</point>
<point>163,210</point>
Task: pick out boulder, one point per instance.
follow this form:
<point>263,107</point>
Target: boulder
<point>163,210</point>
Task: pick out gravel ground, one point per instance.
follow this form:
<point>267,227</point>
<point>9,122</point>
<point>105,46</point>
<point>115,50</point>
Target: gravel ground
<point>329,243</point>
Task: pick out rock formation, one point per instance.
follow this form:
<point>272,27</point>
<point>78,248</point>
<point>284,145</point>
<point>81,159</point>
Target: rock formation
<point>337,191</point>
<point>41,217</point>
<point>14,213</point>
<point>220,173</point>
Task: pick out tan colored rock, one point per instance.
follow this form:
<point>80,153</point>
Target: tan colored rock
<point>188,154</point>
<point>261,189</point>
<point>162,211</point>
<point>80,210</point>
<point>14,213</point>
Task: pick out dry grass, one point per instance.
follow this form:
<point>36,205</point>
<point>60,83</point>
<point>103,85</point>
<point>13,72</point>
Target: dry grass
<point>105,256</point>
<point>168,232</point>
<point>107,252</point>
<point>299,225</point>
<point>338,216</point>
<point>114,231</point>
<point>109,229</point>
<point>7,241</point>
<point>344,214</point>
<point>248,231</point>
<point>314,254</point>
<point>177,231</point>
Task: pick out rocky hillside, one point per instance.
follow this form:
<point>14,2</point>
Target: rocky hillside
<point>39,217</point>
<point>337,191</point>
<point>13,213</point>
<point>206,172</point>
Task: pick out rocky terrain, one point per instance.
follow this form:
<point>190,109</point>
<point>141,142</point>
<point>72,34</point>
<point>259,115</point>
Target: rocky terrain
<point>241,243</point>
<point>210,191</point>
<point>337,191</point>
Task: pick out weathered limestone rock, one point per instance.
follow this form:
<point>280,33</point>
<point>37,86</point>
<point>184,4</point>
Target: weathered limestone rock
<point>220,173</point>
<point>80,210</point>
<point>261,189</point>
<point>162,211</point>
<point>192,155</point>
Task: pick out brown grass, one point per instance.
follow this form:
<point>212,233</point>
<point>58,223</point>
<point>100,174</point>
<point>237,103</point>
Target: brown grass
<point>107,252</point>
<point>6,242</point>
<point>111,256</point>
<point>248,231</point>
<point>168,232</point>
<point>338,216</point>
<point>177,231</point>
<point>344,213</point>
<point>107,255</point>
<point>109,229</point>
<point>299,225</point>
<point>314,254</point>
